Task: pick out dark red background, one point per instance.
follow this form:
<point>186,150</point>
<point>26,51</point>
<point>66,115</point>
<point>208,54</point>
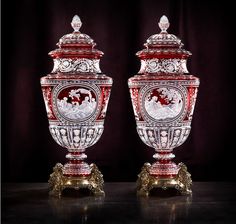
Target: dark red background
<point>32,28</point>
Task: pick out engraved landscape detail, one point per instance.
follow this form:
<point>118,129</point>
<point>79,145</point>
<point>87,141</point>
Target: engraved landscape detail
<point>78,104</point>
<point>163,103</point>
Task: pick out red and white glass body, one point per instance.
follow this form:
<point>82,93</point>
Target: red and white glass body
<point>163,96</point>
<point>76,95</point>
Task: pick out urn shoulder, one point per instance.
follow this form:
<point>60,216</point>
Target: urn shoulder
<point>76,56</point>
<point>163,57</point>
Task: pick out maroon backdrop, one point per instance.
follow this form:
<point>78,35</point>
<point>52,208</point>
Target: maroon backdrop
<point>32,28</point>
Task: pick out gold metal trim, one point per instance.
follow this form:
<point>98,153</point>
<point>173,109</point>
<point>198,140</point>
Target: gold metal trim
<point>58,182</point>
<point>146,182</point>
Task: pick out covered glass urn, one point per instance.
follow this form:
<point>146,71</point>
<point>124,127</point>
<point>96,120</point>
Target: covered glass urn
<point>163,96</point>
<point>76,95</point>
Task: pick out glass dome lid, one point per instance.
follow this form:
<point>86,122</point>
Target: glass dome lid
<point>163,44</point>
<point>76,44</point>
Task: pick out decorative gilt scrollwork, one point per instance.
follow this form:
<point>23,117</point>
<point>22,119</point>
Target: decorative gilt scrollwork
<point>96,180</point>
<point>146,182</point>
<point>143,180</point>
<point>58,182</point>
<point>184,179</point>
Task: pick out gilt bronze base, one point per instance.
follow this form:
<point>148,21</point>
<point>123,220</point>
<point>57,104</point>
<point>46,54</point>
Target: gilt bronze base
<point>146,182</point>
<point>58,182</point>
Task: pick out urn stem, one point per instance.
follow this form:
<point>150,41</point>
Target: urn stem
<point>76,167</point>
<point>164,167</point>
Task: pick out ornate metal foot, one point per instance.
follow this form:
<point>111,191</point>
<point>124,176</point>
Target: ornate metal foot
<point>184,179</point>
<point>58,182</point>
<point>146,182</point>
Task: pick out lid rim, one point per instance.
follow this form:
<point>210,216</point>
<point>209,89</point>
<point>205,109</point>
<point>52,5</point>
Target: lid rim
<point>163,44</point>
<point>76,44</point>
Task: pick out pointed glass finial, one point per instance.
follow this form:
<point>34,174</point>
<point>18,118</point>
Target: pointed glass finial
<point>164,24</point>
<point>76,23</point>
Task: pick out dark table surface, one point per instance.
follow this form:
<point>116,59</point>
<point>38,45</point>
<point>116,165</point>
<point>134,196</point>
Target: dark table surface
<point>211,202</point>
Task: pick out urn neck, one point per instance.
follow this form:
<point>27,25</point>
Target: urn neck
<point>164,167</point>
<point>76,167</point>
<point>76,65</point>
<point>166,66</point>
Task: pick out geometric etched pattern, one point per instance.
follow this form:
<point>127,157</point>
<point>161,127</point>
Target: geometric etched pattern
<point>163,169</point>
<point>162,138</point>
<point>71,169</point>
<point>76,138</point>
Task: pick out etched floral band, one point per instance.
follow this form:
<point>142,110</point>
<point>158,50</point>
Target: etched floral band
<point>76,65</point>
<point>163,66</point>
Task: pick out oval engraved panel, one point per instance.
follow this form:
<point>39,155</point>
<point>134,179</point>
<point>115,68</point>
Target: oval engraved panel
<point>163,103</point>
<point>76,103</point>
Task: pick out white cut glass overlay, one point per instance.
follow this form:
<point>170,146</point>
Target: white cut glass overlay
<point>163,103</point>
<point>82,65</point>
